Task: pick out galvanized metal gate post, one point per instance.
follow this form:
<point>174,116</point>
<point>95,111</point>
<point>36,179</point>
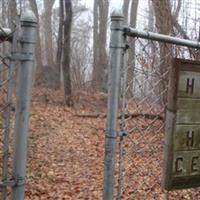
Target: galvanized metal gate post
<point>24,88</point>
<point>116,50</point>
<point>148,158</point>
<point>8,114</point>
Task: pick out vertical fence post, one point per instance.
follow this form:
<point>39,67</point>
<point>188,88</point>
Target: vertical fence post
<point>8,100</point>
<point>116,50</point>
<point>24,88</point>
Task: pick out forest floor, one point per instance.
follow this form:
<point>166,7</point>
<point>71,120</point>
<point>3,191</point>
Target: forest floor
<point>66,152</point>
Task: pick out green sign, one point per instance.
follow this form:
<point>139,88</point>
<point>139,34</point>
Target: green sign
<point>182,135</point>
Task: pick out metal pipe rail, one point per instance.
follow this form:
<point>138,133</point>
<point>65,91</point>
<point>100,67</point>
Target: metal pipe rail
<point>117,51</point>
<point>133,32</point>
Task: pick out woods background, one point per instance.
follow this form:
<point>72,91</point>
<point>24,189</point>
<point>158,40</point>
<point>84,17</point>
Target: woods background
<point>72,38</point>
<point>66,143</point>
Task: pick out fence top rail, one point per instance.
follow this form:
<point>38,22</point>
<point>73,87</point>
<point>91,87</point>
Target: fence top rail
<point>133,32</point>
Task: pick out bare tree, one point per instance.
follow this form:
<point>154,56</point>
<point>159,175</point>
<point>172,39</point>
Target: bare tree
<point>12,13</point>
<point>60,42</point>
<point>131,60</point>
<point>103,25</point>
<point>100,39</point>
<point>126,10</point>
<point>81,53</point>
<point>3,13</point>
<point>48,5</point>
<point>95,42</point>
<point>3,22</point>
<point>67,53</point>
<point>164,25</point>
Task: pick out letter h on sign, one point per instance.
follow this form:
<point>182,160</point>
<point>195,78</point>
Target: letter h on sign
<point>190,139</point>
<point>190,86</point>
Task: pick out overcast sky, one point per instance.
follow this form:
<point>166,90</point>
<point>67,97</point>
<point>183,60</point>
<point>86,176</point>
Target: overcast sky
<point>113,3</point>
<point>117,4</point>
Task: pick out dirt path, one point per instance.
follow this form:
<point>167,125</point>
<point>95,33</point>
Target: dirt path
<point>65,155</point>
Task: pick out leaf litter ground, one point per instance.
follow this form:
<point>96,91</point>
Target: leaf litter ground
<point>66,150</point>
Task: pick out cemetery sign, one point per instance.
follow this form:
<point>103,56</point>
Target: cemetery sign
<point>182,135</point>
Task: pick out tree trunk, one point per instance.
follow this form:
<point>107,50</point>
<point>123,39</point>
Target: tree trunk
<point>103,60</point>
<point>67,53</point>
<point>60,43</point>
<point>164,24</point>
<point>95,44</point>
<point>100,67</point>
<point>131,56</point>
<point>48,5</point>
<point>12,13</point>
<point>3,21</point>
<point>3,13</point>
<point>126,11</point>
<point>38,50</point>
<point>151,51</point>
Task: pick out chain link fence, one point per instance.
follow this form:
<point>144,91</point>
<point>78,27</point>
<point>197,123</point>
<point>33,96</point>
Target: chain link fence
<point>16,58</point>
<point>140,120</point>
<point>7,104</point>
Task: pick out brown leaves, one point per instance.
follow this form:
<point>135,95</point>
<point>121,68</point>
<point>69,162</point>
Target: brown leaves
<point>65,154</point>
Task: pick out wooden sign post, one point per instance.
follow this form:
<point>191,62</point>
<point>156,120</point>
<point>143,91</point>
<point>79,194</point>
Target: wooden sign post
<point>182,136</point>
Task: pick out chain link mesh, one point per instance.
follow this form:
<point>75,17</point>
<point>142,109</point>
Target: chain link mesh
<point>7,108</point>
<point>141,121</point>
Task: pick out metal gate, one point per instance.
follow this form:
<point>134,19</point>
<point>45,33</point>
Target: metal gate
<point>138,84</point>
<point>17,54</point>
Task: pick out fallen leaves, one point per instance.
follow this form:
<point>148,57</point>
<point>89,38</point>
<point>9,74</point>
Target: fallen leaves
<point>65,154</point>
